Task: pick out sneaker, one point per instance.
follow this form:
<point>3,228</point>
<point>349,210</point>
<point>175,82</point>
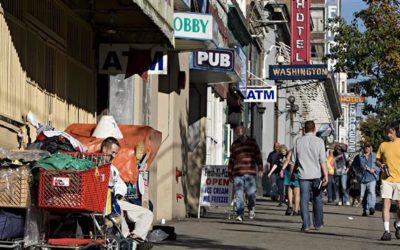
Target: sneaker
<point>364,214</point>
<point>289,211</point>
<point>252,214</point>
<point>239,218</point>
<point>296,213</point>
<point>347,203</point>
<point>397,230</point>
<point>340,203</point>
<point>305,229</point>
<point>386,236</point>
<point>371,211</point>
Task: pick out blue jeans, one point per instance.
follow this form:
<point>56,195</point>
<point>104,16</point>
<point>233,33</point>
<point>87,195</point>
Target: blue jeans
<point>343,191</point>
<point>278,187</point>
<point>245,183</point>
<point>331,188</point>
<point>307,187</point>
<point>368,200</point>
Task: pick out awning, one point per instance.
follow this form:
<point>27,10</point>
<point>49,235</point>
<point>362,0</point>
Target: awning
<point>333,96</point>
<point>237,24</point>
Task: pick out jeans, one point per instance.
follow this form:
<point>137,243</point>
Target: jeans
<point>332,189</point>
<point>343,191</point>
<point>245,183</point>
<point>368,200</point>
<point>277,187</point>
<point>307,187</point>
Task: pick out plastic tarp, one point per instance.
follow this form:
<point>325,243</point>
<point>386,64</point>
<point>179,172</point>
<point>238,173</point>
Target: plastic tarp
<point>125,161</point>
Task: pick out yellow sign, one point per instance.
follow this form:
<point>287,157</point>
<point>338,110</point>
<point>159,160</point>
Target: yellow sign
<point>352,99</point>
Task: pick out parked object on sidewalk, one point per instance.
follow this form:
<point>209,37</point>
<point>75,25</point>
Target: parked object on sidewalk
<point>15,187</point>
<point>161,232</point>
<point>11,225</point>
<point>23,155</point>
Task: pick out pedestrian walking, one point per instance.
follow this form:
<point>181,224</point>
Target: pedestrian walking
<point>366,172</point>
<point>276,173</point>
<point>388,160</point>
<point>310,157</point>
<point>331,188</point>
<point>273,157</point>
<point>244,162</point>
<point>341,175</point>
<point>292,184</point>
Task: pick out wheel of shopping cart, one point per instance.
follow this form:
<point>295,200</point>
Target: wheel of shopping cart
<point>112,243</point>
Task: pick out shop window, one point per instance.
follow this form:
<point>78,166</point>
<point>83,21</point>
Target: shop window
<point>317,51</point>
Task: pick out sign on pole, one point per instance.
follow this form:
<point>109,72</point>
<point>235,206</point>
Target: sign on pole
<point>352,128</point>
<point>215,187</point>
<point>298,72</point>
<point>300,28</point>
<point>261,95</point>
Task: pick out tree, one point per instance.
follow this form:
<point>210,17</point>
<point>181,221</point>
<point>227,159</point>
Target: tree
<point>372,55</point>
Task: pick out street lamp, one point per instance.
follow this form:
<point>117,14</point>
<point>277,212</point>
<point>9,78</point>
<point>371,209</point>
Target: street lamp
<point>293,109</point>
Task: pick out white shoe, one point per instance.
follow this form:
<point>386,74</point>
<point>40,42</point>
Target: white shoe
<point>239,218</point>
<point>347,203</point>
<point>252,214</point>
<point>340,203</point>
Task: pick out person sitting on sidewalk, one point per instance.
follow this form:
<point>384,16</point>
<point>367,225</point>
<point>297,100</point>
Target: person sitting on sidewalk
<point>142,217</point>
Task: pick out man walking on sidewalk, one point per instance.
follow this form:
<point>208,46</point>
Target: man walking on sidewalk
<point>367,173</point>
<point>310,157</point>
<point>388,159</point>
<point>245,157</point>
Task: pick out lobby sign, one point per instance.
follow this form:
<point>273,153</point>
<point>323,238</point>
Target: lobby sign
<point>300,27</point>
<point>215,186</point>
<point>193,26</point>
<point>220,60</point>
<point>261,95</point>
<point>113,59</point>
<point>298,72</point>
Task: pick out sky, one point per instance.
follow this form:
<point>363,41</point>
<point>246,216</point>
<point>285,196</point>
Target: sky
<point>351,6</point>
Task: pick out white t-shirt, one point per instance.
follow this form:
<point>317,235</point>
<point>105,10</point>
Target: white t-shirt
<point>116,182</point>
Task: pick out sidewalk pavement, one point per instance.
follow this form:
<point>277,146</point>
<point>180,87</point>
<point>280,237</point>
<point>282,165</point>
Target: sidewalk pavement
<point>344,228</point>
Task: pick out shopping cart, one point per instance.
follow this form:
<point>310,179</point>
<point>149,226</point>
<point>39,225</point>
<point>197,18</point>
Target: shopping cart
<point>75,196</point>
<point>15,194</point>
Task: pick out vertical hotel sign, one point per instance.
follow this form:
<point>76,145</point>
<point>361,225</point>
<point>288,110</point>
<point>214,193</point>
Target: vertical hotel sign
<point>300,26</point>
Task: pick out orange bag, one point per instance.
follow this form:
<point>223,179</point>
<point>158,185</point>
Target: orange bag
<point>125,161</point>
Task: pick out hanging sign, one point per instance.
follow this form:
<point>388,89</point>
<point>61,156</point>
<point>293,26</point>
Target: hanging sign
<point>261,95</point>
<point>300,28</point>
<point>298,72</point>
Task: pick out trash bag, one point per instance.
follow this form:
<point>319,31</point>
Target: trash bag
<point>11,225</point>
<point>157,235</point>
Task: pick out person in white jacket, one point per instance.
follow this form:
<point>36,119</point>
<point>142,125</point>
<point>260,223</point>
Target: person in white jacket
<point>142,217</point>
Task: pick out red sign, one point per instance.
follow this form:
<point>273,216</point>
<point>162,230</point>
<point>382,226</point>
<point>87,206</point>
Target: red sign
<point>300,25</point>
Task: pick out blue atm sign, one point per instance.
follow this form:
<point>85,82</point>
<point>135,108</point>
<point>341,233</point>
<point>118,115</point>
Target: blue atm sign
<point>261,95</point>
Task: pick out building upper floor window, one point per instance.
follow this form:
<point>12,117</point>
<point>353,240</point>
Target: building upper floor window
<point>317,51</point>
<point>318,19</point>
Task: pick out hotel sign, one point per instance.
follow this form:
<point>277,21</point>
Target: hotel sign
<point>300,27</point>
<point>352,99</point>
<point>298,72</point>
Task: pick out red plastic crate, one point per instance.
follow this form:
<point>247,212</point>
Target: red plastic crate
<point>74,190</point>
<point>98,159</point>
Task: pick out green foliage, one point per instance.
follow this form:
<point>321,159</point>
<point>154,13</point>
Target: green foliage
<point>373,53</point>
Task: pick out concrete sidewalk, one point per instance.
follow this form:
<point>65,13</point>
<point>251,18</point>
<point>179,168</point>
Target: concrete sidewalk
<point>344,228</point>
